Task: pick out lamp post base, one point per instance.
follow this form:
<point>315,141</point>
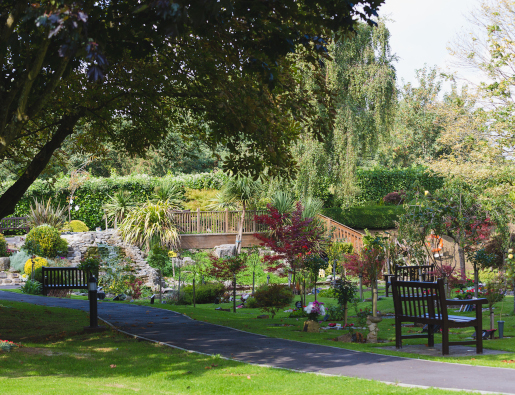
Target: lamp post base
<point>94,329</point>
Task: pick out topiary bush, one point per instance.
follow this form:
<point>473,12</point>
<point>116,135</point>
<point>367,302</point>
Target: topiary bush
<point>38,263</point>
<point>366,217</point>
<point>45,241</point>
<point>75,226</point>
<point>3,246</point>
<point>272,298</point>
<point>206,293</point>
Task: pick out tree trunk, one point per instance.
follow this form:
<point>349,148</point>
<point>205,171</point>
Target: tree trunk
<point>194,293</point>
<point>461,254</point>
<point>374,298</point>
<point>160,287</point>
<point>345,314</point>
<point>234,294</point>
<point>253,281</point>
<point>12,196</point>
<point>239,237</point>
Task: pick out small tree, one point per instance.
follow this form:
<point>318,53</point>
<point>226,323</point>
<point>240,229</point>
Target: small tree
<point>345,292</point>
<point>227,269</point>
<point>158,258</point>
<point>291,237</point>
<point>368,264</point>
<point>314,263</point>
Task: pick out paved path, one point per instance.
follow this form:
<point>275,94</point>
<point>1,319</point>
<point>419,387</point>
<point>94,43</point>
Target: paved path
<point>179,331</point>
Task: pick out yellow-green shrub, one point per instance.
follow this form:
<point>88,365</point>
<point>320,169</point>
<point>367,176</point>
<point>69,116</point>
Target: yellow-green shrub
<point>38,263</point>
<point>75,226</point>
<point>3,245</point>
<point>45,241</point>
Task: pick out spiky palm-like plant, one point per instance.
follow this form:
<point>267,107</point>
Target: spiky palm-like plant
<point>153,222</point>
<point>245,192</point>
<point>171,192</point>
<point>283,202</point>
<point>45,213</point>
<point>120,205</point>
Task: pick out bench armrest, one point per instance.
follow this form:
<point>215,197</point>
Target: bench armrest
<point>466,301</point>
<point>388,277</point>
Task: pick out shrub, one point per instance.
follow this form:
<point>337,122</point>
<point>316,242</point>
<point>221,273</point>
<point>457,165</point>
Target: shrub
<point>366,217</point>
<point>38,263</point>
<point>180,298</point>
<point>395,198</point>
<point>3,246</point>
<point>251,303</point>
<point>271,298</point>
<point>32,288</point>
<point>18,260</point>
<point>75,226</point>
<point>327,293</point>
<point>45,241</point>
<point>334,312</point>
<point>90,264</point>
<point>206,293</point>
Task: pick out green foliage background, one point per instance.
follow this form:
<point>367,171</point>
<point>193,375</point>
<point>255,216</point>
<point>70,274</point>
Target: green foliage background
<point>95,192</point>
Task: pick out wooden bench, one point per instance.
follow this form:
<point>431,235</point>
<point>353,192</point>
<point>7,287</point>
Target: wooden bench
<point>14,223</point>
<point>425,303</point>
<point>61,278</point>
<point>410,273</point>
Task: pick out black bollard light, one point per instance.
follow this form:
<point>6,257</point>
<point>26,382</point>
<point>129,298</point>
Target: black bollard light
<point>93,307</point>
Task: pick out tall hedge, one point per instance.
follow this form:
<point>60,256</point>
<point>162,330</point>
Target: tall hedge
<point>377,183</point>
<point>90,196</point>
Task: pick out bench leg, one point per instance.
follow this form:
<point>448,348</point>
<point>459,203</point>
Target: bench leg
<point>398,334</point>
<point>431,335</point>
<point>386,287</point>
<point>445,338</point>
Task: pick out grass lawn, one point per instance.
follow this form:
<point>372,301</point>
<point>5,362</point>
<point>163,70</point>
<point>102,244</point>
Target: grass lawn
<point>57,357</point>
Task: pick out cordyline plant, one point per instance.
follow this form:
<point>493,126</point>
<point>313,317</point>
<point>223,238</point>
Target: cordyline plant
<point>291,237</point>
<point>227,269</point>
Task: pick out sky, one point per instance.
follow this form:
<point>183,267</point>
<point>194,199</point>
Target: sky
<point>422,30</point>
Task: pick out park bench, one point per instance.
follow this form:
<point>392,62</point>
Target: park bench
<point>62,278</point>
<point>425,303</point>
<point>14,223</point>
<point>410,273</point>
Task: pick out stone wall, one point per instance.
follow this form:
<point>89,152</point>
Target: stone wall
<point>79,243</point>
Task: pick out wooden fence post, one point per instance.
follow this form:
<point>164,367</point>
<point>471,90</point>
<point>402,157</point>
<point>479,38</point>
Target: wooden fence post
<point>198,219</point>
<point>226,221</point>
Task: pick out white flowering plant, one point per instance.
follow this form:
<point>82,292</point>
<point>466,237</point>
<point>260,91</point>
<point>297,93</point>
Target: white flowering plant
<point>314,309</point>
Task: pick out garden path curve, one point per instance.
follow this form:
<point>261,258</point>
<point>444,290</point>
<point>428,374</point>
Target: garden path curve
<point>180,331</point>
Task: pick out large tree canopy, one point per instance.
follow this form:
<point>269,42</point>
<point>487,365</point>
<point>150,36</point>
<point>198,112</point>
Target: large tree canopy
<point>134,63</point>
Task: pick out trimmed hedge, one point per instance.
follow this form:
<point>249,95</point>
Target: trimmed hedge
<point>206,293</point>
<point>96,190</point>
<point>367,217</point>
<point>377,183</point>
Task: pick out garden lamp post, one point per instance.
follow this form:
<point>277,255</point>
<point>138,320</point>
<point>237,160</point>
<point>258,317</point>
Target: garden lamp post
<point>268,279</point>
<point>93,307</point>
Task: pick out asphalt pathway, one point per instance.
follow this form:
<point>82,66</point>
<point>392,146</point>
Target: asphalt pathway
<point>179,331</point>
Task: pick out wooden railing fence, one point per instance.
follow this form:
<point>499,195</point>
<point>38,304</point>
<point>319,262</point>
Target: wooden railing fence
<point>191,222</point>
<point>338,231</point>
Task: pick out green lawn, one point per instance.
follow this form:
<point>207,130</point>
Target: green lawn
<point>56,357</point>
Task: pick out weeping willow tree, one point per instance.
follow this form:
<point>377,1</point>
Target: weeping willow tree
<point>361,78</point>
